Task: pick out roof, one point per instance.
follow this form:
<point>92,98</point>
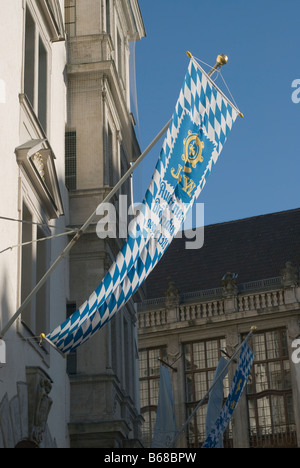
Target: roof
<point>255,248</point>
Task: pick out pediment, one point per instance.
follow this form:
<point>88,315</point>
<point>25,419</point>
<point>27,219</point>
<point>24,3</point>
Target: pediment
<point>53,18</point>
<point>37,160</point>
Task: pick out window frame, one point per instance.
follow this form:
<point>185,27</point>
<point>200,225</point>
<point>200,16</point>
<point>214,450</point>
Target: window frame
<point>262,396</point>
<point>39,223</point>
<point>41,64</point>
<point>206,368</point>
<point>70,18</point>
<point>71,159</point>
<point>108,17</point>
<point>148,410</point>
<point>111,162</point>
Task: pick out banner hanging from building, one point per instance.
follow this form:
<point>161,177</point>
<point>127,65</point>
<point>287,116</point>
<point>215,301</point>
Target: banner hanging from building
<point>238,384</point>
<point>165,425</point>
<point>215,401</point>
<point>199,127</point>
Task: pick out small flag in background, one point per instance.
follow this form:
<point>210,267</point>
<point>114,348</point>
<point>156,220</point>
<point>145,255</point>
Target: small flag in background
<point>238,384</point>
<point>215,401</point>
<point>165,425</point>
<point>199,127</point>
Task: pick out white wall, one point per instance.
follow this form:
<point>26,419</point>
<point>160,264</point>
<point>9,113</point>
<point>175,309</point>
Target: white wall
<point>20,353</point>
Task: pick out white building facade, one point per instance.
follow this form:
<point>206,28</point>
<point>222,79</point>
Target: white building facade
<point>34,390</point>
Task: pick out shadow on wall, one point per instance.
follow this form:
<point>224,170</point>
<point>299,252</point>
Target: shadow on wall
<point>5,311</point>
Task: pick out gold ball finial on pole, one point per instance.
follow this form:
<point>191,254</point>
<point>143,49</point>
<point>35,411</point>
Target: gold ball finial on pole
<point>222,59</point>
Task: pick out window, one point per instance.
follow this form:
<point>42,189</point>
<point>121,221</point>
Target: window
<point>108,16</point>
<point>70,17</point>
<point>269,392</point>
<point>109,160</point>
<point>35,262</point>
<point>70,159</point>
<point>27,264</point>
<point>42,85</point>
<point>149,387</point>
<point>201,360</point>
<point>72,357</point>
<point>127,357</point>
<point>120,54</point>
<point>42,264</point>
<point>125,166</point>
<point>29,57</point>
<point>35,70</point>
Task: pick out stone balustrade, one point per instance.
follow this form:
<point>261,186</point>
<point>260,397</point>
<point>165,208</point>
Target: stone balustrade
<point>155,313</point>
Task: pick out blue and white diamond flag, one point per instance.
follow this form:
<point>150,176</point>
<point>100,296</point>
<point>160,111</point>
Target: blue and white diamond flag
<point>199,127</point>
<point>238,384</point>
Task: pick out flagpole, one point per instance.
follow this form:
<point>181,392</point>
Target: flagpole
<point>201,402</point>
<point>81,231</point>
<point>222,59</point>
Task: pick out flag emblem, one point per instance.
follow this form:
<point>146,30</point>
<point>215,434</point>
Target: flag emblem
<point>193,151</point>
<point>189,169</point>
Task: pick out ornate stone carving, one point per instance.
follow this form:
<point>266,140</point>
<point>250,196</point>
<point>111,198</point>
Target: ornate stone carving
<point>290,275</point>
<point>293,329</point>
<point>232,340</point>
<point>173,349</point>
<point>39,402</point>
<point>21,420</point>
<point>229,284</point>
<point>172,296</point>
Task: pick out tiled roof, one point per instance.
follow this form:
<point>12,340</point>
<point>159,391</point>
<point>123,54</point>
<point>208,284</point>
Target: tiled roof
<point>254,248</point>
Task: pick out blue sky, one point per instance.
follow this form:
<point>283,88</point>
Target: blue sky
<point>259,168</point>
